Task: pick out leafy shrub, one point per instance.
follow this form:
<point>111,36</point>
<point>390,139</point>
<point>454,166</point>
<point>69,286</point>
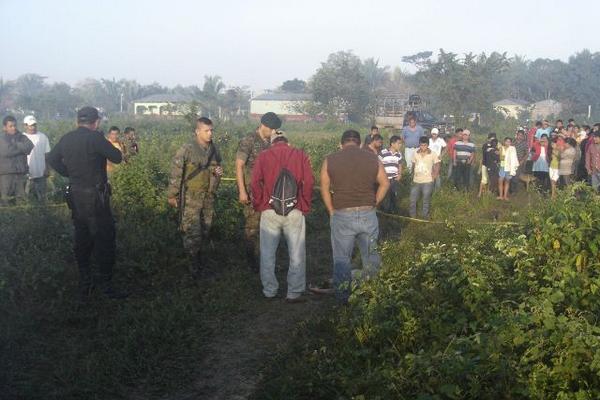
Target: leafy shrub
<point>499,312</point>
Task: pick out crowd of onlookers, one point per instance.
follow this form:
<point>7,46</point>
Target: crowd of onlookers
<point>275,182</point>
<point>23,170</point>
<point>549,157</point>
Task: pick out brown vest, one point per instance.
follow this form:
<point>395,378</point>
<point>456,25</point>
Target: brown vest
<point>353,175</point>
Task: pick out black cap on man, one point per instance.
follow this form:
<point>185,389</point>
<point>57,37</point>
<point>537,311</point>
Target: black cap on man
<point>271,120</point>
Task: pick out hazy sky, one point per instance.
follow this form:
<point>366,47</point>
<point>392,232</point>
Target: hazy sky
<point>262,43</point>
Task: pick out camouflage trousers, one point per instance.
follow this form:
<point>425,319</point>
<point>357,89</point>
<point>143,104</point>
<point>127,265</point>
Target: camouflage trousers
<point>196,221</point>
<point>251,230</point>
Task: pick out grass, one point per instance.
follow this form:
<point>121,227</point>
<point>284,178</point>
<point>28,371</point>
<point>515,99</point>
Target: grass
<point>154,343</point>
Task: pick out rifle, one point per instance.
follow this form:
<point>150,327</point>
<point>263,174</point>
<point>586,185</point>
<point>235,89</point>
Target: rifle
<point>181,199</point>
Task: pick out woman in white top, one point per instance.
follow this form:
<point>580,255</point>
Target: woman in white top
<point>509,162</point>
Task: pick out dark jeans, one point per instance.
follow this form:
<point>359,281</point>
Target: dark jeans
<point>542,180</point>
<point>36,187</point>
<point>565,180</point>
<point>94,234</point>
<point>388,204</point>
<point>418,189</point>
<point>462,176</point>
<point>12,186</point>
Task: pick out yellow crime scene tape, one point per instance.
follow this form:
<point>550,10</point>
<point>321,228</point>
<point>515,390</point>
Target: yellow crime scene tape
<point>229,179</point>
<point>33,206</point>
<point>425,221</point>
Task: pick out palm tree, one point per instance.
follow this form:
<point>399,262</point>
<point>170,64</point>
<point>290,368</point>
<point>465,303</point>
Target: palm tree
<point>211,91</point>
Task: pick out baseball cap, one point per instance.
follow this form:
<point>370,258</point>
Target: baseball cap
<point>435,131</point>
<point>29,120</point>
<point>88,115</point>
<point>466,132</point>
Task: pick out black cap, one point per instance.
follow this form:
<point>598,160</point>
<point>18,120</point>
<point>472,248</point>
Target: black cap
<point>271,120</point>
<point>88,115</point>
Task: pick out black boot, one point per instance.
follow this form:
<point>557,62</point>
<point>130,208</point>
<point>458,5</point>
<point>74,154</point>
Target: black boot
<point>85,285</point>
<point>112,293</point>
<point>84,293</point>
<point>108,290</point>
<point>252,258</point>
<point>199,267</point>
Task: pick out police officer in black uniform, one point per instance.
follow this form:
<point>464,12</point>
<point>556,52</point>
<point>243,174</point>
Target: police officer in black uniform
<point>81,155</point>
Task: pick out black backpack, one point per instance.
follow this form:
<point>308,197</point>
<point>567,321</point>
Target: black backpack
<point>284,197</point>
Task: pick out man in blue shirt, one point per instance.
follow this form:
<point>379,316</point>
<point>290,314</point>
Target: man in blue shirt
<point>411,134</point>
<point>544,130</point>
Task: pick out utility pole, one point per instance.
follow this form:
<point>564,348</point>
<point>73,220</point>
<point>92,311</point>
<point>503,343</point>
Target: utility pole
<point>121,102</point>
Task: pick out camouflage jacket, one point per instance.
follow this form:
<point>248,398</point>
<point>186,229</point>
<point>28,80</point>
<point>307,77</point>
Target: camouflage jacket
<point>189,158</point>
<point>131,147</point>
<point>248,149</point>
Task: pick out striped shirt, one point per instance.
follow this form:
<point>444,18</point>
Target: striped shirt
<point>463,150</point>
<point>390,161</point>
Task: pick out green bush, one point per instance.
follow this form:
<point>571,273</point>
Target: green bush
<point>498,312</point>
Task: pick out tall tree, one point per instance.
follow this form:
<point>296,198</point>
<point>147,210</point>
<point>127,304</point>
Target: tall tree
<point>583,81</point>
<point>340,85</point>
<point>28,87</point>
<point>419,59</point>
<point>461,85</point>
<point>211,92</point>
<point>294,86</point>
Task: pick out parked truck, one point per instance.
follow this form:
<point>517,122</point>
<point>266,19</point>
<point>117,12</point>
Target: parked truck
<point>394,109</point>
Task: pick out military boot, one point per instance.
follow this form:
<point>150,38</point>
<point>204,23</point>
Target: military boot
<point>198,266</point>
<point>108,290</point>
<point>85,286</point>
<point>252,258</point>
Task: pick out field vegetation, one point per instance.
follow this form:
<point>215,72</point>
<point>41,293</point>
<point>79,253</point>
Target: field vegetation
<point>492,300</point>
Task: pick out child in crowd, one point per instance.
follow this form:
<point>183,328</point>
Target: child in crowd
<point>509,163</point>
<point>554,164</point>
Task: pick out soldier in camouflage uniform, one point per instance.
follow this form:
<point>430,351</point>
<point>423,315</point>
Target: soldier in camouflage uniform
<point>249,148</point>
<point>195,175</point>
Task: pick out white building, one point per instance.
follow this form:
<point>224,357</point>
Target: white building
<point>545,108</point>
<point>162,104</point>
<point>510,108</point>
<point>284,104</point>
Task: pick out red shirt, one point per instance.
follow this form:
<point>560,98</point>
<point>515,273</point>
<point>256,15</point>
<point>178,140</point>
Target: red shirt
<point>531,136</point>
<point>450,146</point>
<point>266,170</point>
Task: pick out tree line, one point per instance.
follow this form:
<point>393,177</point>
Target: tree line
<point>457,84</point>
<point>31,93</point>
<point>452,84</point>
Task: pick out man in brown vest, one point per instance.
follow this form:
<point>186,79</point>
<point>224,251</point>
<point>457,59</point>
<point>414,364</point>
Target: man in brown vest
<point>353,183</point>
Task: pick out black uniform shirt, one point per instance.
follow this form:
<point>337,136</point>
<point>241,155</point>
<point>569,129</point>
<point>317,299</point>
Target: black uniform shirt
<point>81,155</point>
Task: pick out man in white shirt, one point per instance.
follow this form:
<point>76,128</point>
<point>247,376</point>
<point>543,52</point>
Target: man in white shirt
<point>36,185</point>
<point>437,145</point>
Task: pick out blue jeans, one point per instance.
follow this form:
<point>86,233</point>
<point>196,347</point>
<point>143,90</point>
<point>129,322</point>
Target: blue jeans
<point>293,227</point>
<point>415,192</point>
<point>346,228</point>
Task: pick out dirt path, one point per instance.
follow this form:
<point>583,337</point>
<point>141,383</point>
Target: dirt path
<point>235,359</point>
<point>243,344</point>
